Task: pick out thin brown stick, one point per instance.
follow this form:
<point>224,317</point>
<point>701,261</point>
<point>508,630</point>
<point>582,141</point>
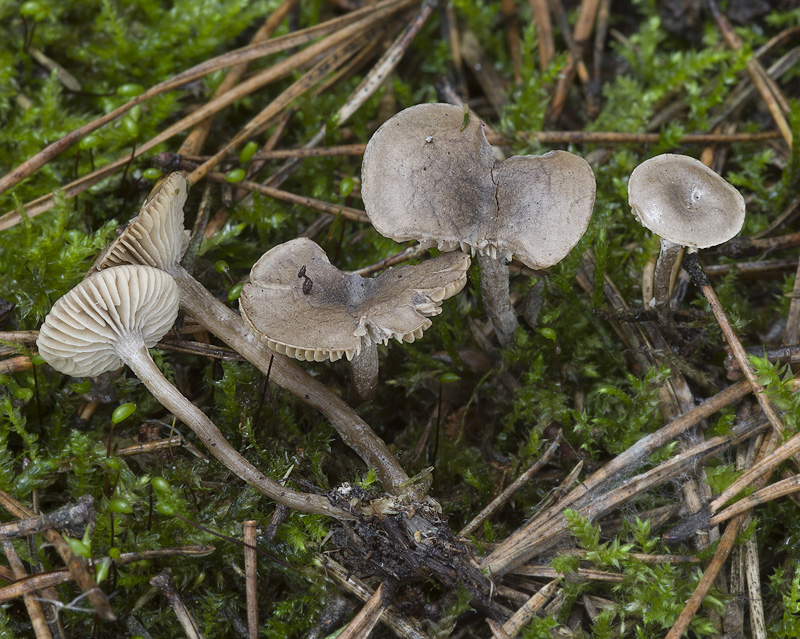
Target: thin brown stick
<point>707,580</point>
<point>511,20</point>
<point>40,628</point>
<point>482,67</point>
<point>77,565</point>
<point>15,365</point>
<point>762,269</point>
<point>362,624</point>
<point>639,556</point>
<point>768,90</point>
<point>791,334</point>
<point>50,579</point>
<point>498,502</point>
<point>24,338</point>
<point>411,253</point>
<point>355,586</point>
<point>581,574</point>
<point>563,488</point>
<point>701,281</point>
<point>718,560</point>
<point>761,469</point>
<point>150,447</point>
<point>600,36</point>
<point>581,32</point>
<point>753,575</point>
<point>197,136</point>
<point>72,515</point>
<point>523,616</point>
<point>285,196</point>
<point>251,576</point>
<point>544,137</point>
<point>576,55</point>
<point>540,13</point>
<point>163,581</point>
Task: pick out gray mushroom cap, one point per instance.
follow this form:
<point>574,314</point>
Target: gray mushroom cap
<point>681,200</point>
<point>155,237</point>
<point>339,313</point>
<point>83,330</point>
<point>427,177</point>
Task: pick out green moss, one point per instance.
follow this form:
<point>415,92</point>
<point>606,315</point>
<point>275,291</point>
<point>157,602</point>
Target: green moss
<point>571,373</point>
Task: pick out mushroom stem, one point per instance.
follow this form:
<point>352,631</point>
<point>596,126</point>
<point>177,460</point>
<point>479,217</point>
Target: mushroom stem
<point>364,374</point>
<point>231,329</point>
<point>134,353</point>
<point>662,281</point>
<point>496,298</point>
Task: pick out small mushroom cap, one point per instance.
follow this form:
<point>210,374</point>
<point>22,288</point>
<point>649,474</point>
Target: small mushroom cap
<point>427,177</point>
<point>681,200</point>
<point>155,237</point>
<point>85,328</point>
<point>326,314</point>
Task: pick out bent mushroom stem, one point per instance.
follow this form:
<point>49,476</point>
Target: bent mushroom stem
<point>135,355</point>
<point>230,328</point>
<point>662,280</point>
<point>364,373</point>
<point>496,297</point>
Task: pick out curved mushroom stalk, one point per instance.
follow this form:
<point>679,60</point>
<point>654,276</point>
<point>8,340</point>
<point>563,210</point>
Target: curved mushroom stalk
<point>156,237</point>
<point>364,369</point>
<point>496,298</point>
<point>302,306</point>
<point>112,318</point>
<point>668,256</point>
<point>430,176</point>
<point>687,205</point>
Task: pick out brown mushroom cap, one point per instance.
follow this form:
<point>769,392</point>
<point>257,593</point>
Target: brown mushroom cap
<point>426,176</point>
<point>338,313</point>
<point>681,200</point>
<point>155,237</point>
<point>81,333</point>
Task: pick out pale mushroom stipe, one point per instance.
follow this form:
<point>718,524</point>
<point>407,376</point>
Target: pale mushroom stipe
<point>304,307</point>
<point>156,237</point>
<point>686,204</point>
<point>113,317</point>
<point>429,177</point>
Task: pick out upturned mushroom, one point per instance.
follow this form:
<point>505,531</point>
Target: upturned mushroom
<point>687,205</point>
<point>429,174</point>
<point>156,237</point>
<point>111,319</point>
<point>304,307</point>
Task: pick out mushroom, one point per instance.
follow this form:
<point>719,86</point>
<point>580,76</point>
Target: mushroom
<point>112,318</point>
<point>304,307</point>
<point>429,174</point>
<point>687,205</point>
<point>156,237</point>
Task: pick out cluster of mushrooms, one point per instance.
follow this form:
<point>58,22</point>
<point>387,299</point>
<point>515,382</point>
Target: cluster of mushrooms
<point>429,175</point>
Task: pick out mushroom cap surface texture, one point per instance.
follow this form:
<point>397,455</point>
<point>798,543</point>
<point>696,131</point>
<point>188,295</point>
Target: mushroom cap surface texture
<point>85,328</point>
<point>681,200</point>
<point>327,314</point>
<point>427,177</point>
<point>155,237</point>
